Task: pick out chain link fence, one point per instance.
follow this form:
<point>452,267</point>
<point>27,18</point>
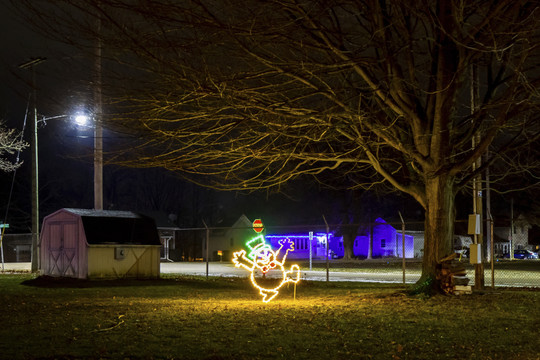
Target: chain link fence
<point>379,251</point>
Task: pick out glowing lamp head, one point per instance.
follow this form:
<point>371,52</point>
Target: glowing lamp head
<point>81,119</point>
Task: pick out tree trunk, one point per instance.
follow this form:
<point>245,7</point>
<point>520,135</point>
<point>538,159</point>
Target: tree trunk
<point>439,225</point>
<point>348,245</point>
<point>349,237</point>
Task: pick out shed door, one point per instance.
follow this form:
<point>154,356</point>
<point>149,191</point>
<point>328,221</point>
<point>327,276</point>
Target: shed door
<point>63,249</point>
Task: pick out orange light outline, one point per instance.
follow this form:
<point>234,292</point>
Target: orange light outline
<point>265,259</point>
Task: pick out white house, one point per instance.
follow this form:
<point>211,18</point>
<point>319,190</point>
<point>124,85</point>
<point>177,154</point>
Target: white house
<point>224,240</point>
<point>519,237</point>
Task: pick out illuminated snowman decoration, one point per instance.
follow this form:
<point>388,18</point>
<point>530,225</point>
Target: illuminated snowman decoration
<point>262,260</point>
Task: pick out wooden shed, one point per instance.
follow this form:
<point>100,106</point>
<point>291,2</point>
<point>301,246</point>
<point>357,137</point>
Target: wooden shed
<point>97,244</point>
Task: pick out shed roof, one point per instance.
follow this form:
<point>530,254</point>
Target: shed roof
<point>101,213</point>
<point>117,227</point>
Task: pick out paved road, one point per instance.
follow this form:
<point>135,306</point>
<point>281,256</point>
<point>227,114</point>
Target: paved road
<point>225,269</point>
<point>16,267</point>
<point>515,278</point>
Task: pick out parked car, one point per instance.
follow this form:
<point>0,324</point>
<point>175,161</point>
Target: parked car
<point>523,254</point>
<point>462,252</point>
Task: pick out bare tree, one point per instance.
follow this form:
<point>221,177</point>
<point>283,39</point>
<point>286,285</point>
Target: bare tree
<point>10,143</point>
<point>255,94</point>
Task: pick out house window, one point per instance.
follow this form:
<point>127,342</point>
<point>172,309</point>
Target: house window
<point>232,242</point>
<point>383,243</point>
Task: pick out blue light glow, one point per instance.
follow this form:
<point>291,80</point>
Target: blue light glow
<point>387,242</point>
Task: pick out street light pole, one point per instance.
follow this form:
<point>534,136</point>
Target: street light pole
<point>98,161</point>
<point>35,175</point>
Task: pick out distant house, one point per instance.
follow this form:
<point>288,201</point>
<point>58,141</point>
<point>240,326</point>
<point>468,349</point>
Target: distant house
<point>387,242</point>
<point>168,232</point>
<point>17,247</point>
<point>303,242</point>
<point>228,237</point>
<point>504,236</point>
<point>418,242</point>
<point>233,236</point>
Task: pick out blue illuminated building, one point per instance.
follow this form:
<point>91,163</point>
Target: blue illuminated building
<point>387,242</point>
<point>302,244</point>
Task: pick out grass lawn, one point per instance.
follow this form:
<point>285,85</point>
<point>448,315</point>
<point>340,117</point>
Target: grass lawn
<point>224,318</point>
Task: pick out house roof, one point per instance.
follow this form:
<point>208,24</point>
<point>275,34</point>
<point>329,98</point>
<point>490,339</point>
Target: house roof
<point>162,219</point>
<point>117,227</point>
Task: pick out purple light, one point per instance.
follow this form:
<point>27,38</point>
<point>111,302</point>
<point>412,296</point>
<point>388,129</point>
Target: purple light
<point>301,244</point>
<point>387,242</point>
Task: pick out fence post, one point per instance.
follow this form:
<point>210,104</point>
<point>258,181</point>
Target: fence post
<point>492,255</point>
<point>207,243</point>
<point>2,245</point>
<point>310,249</point>
<point>327,250</point>
<point>402,243</point>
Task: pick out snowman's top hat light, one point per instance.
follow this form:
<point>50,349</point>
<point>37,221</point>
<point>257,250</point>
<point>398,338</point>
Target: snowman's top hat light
<point>256,245</point>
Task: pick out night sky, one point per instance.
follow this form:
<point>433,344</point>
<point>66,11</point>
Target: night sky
<point>65,151</point>
<point>66,171</point>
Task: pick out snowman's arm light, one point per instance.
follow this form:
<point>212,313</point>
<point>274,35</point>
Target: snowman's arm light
<point>240,259</point>
<point>286,245</point>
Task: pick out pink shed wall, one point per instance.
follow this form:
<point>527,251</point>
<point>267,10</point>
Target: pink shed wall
<point>63,246</point>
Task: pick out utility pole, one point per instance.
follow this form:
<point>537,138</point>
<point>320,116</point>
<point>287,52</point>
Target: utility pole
<point>477,185</point>
<point>489,227</point>
<point>511,250</point>
<point>98,129</point>
<point>489,219</point>
<point>35,167</point>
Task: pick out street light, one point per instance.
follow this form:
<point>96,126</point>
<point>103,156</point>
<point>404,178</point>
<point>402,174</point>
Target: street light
<point>81,119</point>
<point>31,64</point>
<point>98,152</point>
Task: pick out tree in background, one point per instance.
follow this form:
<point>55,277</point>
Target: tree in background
<point>10,143</point>
<point>251,95</point>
